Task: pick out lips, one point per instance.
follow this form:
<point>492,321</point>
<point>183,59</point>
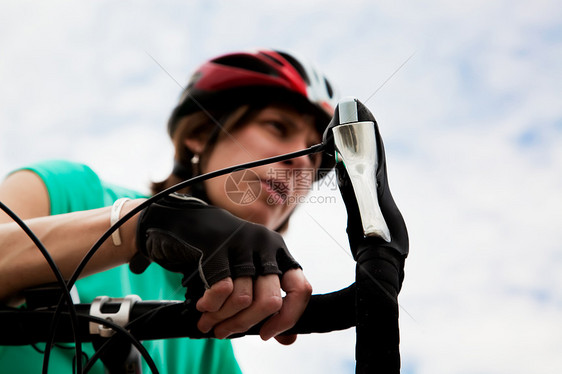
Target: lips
<point>278,190</point>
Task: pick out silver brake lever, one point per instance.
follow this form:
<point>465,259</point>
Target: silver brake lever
<point>356,146</point>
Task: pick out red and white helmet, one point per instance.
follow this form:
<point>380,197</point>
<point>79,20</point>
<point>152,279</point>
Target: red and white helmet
<point>253,75</point>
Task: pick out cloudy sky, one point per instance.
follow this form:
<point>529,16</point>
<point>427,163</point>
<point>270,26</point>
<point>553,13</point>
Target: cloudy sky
<point>467,96</point>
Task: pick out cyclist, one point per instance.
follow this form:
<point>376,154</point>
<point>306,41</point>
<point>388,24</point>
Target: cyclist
<point>236,108</point>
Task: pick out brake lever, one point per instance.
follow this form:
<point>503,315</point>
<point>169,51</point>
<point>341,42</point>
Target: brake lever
<point>354,144</point>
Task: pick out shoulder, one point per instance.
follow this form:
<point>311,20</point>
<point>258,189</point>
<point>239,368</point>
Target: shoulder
<point>60,169</point>
<point>29,190</point>
<point>25,194</point>
<point>73,186</point>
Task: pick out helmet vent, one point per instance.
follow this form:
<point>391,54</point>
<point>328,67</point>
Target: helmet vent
<point>329,88</point>
<point>273,59</point>
<point>246,63</point>
<point>297,65</point>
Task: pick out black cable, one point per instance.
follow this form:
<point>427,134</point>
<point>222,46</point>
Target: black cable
<point>60,280</point>
<point>51,340</point>
<point>37,349</point>
<point>129,336</point>
<point>41,351</point>
<point>97,354</point>
<point>84,355</point>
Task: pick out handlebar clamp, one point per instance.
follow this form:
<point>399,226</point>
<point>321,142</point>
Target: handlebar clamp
<point>119,317</point>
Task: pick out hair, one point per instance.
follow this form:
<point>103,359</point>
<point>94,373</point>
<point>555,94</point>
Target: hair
<point>206,126</point>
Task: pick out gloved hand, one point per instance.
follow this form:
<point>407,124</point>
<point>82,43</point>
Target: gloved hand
<point>205,243</point>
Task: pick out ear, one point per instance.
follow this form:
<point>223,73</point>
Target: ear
<point>196,146</point>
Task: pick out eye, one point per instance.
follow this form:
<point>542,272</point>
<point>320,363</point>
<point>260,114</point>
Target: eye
<point>278,127</point>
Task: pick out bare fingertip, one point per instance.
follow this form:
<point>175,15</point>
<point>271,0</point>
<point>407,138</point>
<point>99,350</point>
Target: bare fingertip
<point>286,339</point>
<point>200,306</point>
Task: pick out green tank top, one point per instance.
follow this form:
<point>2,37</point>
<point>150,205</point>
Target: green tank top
<point>75,187</point>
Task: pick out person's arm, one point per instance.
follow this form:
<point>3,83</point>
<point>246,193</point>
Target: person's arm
<point>67,237</point>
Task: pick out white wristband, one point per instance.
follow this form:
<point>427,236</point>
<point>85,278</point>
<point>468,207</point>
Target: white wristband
<point>115,213</point>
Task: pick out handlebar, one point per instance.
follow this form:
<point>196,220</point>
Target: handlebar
<point>150,320</point>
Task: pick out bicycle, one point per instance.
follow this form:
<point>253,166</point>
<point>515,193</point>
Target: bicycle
<point>370,304</point>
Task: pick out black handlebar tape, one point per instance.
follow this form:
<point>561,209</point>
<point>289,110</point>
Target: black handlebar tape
<point>173,319</point>
<point>324,313</point>
<point>328,312</point>
<point>379,276</point>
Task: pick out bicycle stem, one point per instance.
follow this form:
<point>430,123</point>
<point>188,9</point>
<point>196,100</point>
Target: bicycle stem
<point>356,146</point>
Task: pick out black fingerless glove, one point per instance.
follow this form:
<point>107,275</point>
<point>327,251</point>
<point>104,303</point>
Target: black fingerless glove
<point>185,235</point>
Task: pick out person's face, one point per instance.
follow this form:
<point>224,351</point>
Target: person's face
<point>269,193</point>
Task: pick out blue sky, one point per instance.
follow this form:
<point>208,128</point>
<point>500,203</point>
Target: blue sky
<point>471,122</point>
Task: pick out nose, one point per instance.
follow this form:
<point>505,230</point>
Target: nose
<point>307,162</point>
<point>302,162</point>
